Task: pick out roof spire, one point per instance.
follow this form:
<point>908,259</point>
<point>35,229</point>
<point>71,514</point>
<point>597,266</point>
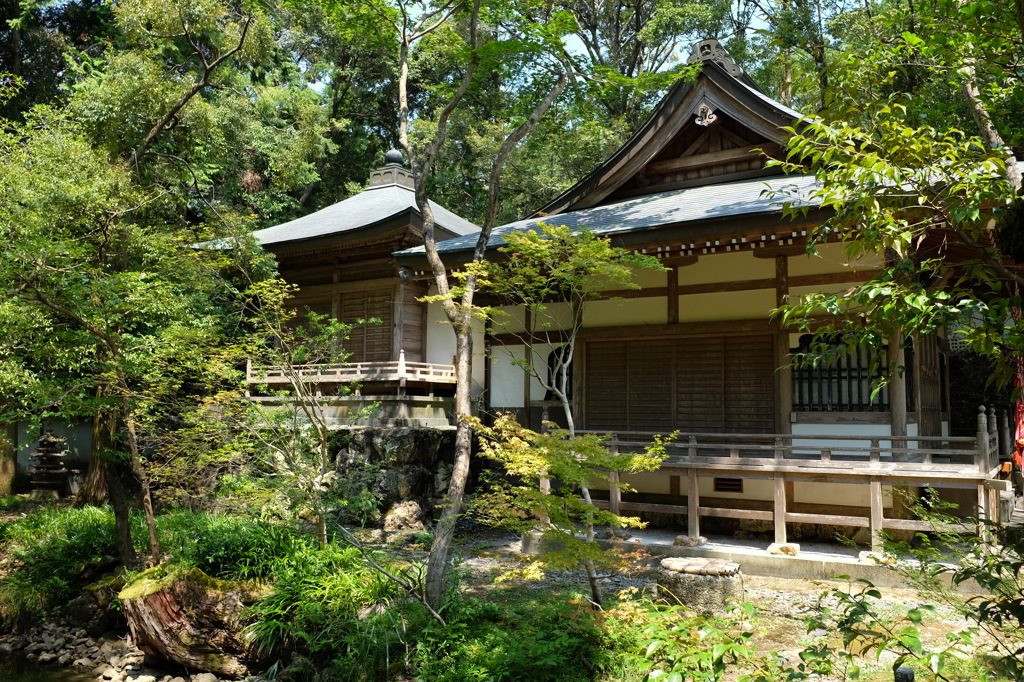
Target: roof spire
<point>712,51</point>
<point>392,173</point>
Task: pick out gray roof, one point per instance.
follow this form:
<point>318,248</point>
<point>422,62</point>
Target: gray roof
<point>651,211</point>
<point>369,207</point>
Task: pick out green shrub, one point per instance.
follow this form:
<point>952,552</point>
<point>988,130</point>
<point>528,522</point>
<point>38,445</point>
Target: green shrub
<point>330,608</point>
<point>537,637</point>
<point>229,547</point>
<point>48,549</point>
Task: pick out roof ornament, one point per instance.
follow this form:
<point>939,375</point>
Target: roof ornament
<point>712,51</point>
<point>706,115</point>
<point>393,172</point>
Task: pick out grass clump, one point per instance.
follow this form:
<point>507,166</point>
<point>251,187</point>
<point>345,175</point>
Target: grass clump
<point>45,552</point>
<point>230,547</point>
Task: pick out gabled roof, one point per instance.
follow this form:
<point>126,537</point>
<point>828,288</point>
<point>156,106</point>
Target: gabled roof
<point>389,197</point>
<point>696,163</point>
<point>715,92</point>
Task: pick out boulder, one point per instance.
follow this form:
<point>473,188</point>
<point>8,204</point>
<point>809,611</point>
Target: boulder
<point>406,517</point>
<point>191,619</point>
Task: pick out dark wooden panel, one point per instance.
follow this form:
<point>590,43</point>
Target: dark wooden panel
<point>607,381</point>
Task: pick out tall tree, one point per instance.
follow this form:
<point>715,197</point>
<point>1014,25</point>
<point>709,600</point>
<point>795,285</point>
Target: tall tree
<point>104,314</point>
<point>533,51</point>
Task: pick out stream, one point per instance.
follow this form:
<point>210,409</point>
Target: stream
<point>17,669</point>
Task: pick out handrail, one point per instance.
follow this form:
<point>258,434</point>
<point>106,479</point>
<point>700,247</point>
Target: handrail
<point>356,371</point>
<point>827,451</point>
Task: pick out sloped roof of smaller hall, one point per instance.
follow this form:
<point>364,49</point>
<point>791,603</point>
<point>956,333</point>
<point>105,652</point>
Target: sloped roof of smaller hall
<point>370,207</point>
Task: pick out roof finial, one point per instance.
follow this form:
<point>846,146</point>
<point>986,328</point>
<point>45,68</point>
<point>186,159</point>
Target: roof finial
<point>393,157</point>
<point>712,51</point>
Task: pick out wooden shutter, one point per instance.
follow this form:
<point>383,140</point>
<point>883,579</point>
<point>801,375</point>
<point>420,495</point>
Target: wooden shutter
<point>749,384</point>
<point>649,397</point>
<point>717,384</point>
<point>368,342</point>
<point>607,383</point>
<point>700,385</point>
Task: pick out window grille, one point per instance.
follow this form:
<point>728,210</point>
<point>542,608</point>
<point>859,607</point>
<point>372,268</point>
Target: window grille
<point>842,381</point>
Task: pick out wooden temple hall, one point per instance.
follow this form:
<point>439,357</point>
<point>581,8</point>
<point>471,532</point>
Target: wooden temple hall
<point>693,350</point>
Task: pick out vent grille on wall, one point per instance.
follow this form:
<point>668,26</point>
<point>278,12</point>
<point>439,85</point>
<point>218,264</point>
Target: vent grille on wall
<point>728,485</point>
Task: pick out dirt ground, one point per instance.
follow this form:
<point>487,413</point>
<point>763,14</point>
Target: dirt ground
<point>784,605</point>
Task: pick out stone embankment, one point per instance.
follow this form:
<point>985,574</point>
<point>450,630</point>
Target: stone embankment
<point>107,659</point>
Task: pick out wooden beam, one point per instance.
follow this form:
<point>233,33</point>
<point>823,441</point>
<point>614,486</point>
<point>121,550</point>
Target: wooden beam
<point>715,158</point>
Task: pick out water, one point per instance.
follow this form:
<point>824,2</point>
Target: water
<point>17,669</point>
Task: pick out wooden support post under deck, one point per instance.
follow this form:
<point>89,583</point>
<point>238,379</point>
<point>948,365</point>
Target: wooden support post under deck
<point>692,505</point>
<point>614,493</point>
<point>545,489</point>
<point>780,509</point>
<point>877,519</point>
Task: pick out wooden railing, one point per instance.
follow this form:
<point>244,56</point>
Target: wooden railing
<point>396,371</point>
<point>875,461</point>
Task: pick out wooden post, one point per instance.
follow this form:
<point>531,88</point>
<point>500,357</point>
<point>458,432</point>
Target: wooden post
<point>692,504</point>
<point>982,456</point>
<point>780,508</point>
<point>1005,439</point>
<point>877,518</point>
<point>527,376</point>
<point>673,295</point>
<point>783,373</point>
<point>897,389</point>
<point>993,439</point>
<point>614,493</point>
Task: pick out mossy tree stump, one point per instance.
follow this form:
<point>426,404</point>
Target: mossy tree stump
<point>189,618</point>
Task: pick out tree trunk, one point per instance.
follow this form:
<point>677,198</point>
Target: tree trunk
<point>105,458</point>
<point>8,460</point>
<point>190,619</point>
<point>445,531</point>
<point>94,487</point>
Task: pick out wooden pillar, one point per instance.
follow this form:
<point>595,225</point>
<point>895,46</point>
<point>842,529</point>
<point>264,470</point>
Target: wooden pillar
<point>982,455</point>
<point>779,513</point>
<point>692,504</point>
<point>897,388</point>
<point>1005,437</point>
<point>783,373</point>
<point>877,518</point>
<point>673,295</point>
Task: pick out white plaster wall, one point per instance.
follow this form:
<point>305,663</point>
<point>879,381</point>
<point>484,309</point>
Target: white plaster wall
<point>732,305</point>
<point>847,494</point>
<point>441,344</point>
<point>648,483</point>
<point>832,258</point>
<point>507,377</point>
<point>626,311</point>
<point>727,267</point>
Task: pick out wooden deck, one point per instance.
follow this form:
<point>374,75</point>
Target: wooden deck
<point>943,462</point>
